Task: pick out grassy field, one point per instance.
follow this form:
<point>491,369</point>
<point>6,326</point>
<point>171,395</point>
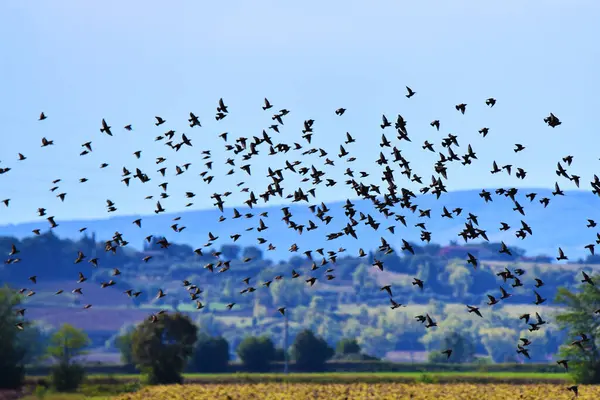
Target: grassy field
<point>89,390</point>
<point>341,377</point>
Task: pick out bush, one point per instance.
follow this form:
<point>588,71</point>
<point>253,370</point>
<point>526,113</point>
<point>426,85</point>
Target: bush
<point>210,355</point>
<point>66,377</point>
<point>279,355</point>
<point>12,351</point>
<point>256,353</point>
<point>353,357</point>
<point>161,350</point>
<point>347,346</point>
<point>40,391</point>
<point>310,352</point>
<point>427,378</point>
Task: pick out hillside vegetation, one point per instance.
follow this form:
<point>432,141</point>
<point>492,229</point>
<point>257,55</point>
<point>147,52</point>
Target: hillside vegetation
<point>351,305</point>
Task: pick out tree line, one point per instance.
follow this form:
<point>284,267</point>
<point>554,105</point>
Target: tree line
<point>164,347</point>
<point>161,348</point>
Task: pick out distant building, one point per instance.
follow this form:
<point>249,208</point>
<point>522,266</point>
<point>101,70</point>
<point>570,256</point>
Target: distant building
<point>462,252</point>
<point>484,253</point>
<point>455,252</point>
<point>537,259</point>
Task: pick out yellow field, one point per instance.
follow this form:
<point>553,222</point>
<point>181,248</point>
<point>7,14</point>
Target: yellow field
<point>392,391</point>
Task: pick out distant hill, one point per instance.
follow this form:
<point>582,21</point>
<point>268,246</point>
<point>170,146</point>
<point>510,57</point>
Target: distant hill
<point>562,223</point>
<point>354,298</point>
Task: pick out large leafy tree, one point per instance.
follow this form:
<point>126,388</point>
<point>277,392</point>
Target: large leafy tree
<point>162,349</point>
<point>123,342</point>
<point>310,352</point>
<point>12,353</point>
<point>66,345</point>
<point>209,324</point>
<point>577,317</point>
<point>500,343</point>
<point>256,353</point>
<point>347,346</point>
<point>35,340</point>
<point>364,283</point>
<point>211,354</point>
<point>456,331</point>
<point>289,293</point>
<point>463,349</point>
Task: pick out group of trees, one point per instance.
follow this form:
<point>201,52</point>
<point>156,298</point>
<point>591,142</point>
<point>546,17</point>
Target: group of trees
<point>449,278</point>
<point>163,349</point>
<point>21,342</point>
<point>180,257</point>
<point>310,352</point>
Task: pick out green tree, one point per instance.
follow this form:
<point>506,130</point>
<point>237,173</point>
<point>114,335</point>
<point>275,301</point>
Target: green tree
<point>12,352</point>
<point>463,349</point>
<point>310,352</point>
<point>317,304</point>
<point>34,340</point>
<point>66,345</point>
<point>209,324</point>
<point>258,310</point>
<point>289,293</point>
<point>425,271</point>
<point>227,290</point>
<point>459,278</point>
<point>500,343</point>
<point>347,346</point>
<point>279,354</point>
<point>364,283</point>
<point>256,353</point>
<point>436,307</point>
<point>330,329</point>
<point>578,317</point>
<point>161,349</point>
<point>539,348</point>
<point>352,328</point>
<point>374,341</point>
<point>211,354</point>
<point>123,342</point>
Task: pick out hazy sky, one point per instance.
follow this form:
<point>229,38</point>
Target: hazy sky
<point>127,61</point>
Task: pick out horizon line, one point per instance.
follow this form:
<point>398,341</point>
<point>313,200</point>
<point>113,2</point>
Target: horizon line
<point>266,205</point>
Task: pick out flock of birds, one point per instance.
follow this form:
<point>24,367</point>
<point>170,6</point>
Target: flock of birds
<point>243,149</point>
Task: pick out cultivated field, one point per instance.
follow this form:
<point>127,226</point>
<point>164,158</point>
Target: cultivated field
<point>382,385</point>
<point>361,391</point>
<point>475,377</point>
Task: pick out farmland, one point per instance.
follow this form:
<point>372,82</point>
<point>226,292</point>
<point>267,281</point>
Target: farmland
<point>351,305</point>
<point>348,377</point>
<point>326,385</point>
<point>463,391</point>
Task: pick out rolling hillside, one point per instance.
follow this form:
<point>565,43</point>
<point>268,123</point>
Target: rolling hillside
<point>562,223</point>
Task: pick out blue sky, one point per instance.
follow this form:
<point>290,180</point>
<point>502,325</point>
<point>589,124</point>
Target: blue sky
<point>127,61</point>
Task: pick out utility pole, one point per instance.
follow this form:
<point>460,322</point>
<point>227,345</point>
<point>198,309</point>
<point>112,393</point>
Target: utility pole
<point>285,343</point>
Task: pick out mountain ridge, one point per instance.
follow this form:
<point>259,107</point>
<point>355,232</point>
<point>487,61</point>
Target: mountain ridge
<point>565,217</point>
